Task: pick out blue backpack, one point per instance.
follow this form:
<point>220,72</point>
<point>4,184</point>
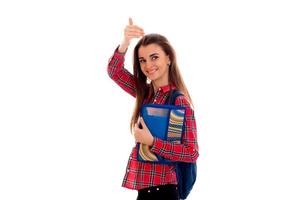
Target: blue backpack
<point>186,172</point>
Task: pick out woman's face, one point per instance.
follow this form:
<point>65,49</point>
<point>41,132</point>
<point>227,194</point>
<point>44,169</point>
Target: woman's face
<point>154,63</point>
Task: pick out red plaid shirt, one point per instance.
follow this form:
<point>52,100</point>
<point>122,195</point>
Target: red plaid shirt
<point>141,175</point>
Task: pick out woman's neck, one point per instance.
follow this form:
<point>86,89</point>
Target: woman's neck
<point>158,85</point>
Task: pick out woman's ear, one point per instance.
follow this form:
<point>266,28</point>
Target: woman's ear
<point>169,61</point>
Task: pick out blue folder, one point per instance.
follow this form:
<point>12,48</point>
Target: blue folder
<point>165,122</point>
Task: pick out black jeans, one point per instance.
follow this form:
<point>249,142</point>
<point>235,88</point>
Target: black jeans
<point>161,192</point>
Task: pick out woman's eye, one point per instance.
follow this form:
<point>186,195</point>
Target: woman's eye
<point>154,57</point>
<point>142,61</point>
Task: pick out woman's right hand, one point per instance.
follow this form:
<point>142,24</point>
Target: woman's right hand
<point>131,31</point>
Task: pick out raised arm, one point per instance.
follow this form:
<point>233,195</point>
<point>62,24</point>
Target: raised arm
<point>115,69</point>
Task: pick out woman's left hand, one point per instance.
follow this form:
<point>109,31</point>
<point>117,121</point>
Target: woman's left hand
<point>142,135</point>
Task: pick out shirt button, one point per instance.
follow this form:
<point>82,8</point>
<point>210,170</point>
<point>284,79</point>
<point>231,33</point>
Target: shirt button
<point>157,189</point>
<point>128,170</point>
<point>149,191</point>
<point>159,89</point>
<point>155,100</point>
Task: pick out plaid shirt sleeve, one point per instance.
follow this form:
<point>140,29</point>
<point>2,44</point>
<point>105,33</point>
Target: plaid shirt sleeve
<point>188,150</point>
<point>119,74</point>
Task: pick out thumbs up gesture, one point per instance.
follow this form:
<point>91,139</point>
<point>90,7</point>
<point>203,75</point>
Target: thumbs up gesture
<point>131,31</point>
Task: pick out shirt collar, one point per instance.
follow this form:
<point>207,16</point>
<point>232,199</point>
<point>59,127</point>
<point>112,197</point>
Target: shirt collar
<point>166,88</point>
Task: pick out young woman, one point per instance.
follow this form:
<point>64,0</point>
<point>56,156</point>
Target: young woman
<point>155,74</point>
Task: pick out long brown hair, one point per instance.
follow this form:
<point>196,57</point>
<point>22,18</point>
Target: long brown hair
<point>142,88</point>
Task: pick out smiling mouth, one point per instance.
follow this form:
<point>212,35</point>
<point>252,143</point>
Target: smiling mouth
<point>152,71</point>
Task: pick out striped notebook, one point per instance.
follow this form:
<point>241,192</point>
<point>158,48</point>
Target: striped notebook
<point>165,122</point>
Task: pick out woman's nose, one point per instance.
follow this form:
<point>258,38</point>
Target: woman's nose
<point>149,65</point>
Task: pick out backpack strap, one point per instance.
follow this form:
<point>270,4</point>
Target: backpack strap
<point>186,173</point>
<point>172,97</point>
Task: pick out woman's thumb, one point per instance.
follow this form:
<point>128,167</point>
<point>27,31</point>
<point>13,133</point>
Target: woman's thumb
<point>142,122</point>
<point>130,21</point>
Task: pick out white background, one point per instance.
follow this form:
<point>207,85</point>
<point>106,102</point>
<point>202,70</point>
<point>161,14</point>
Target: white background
<point>64,125</point>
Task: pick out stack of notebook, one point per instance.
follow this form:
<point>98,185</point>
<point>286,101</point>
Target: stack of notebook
<point>165,122</point>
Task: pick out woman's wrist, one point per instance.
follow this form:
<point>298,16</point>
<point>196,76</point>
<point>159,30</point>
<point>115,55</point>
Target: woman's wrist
<point>123,47</point>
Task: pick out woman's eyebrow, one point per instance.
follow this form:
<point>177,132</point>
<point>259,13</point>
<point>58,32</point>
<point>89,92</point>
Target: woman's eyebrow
<point>151,55</point>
